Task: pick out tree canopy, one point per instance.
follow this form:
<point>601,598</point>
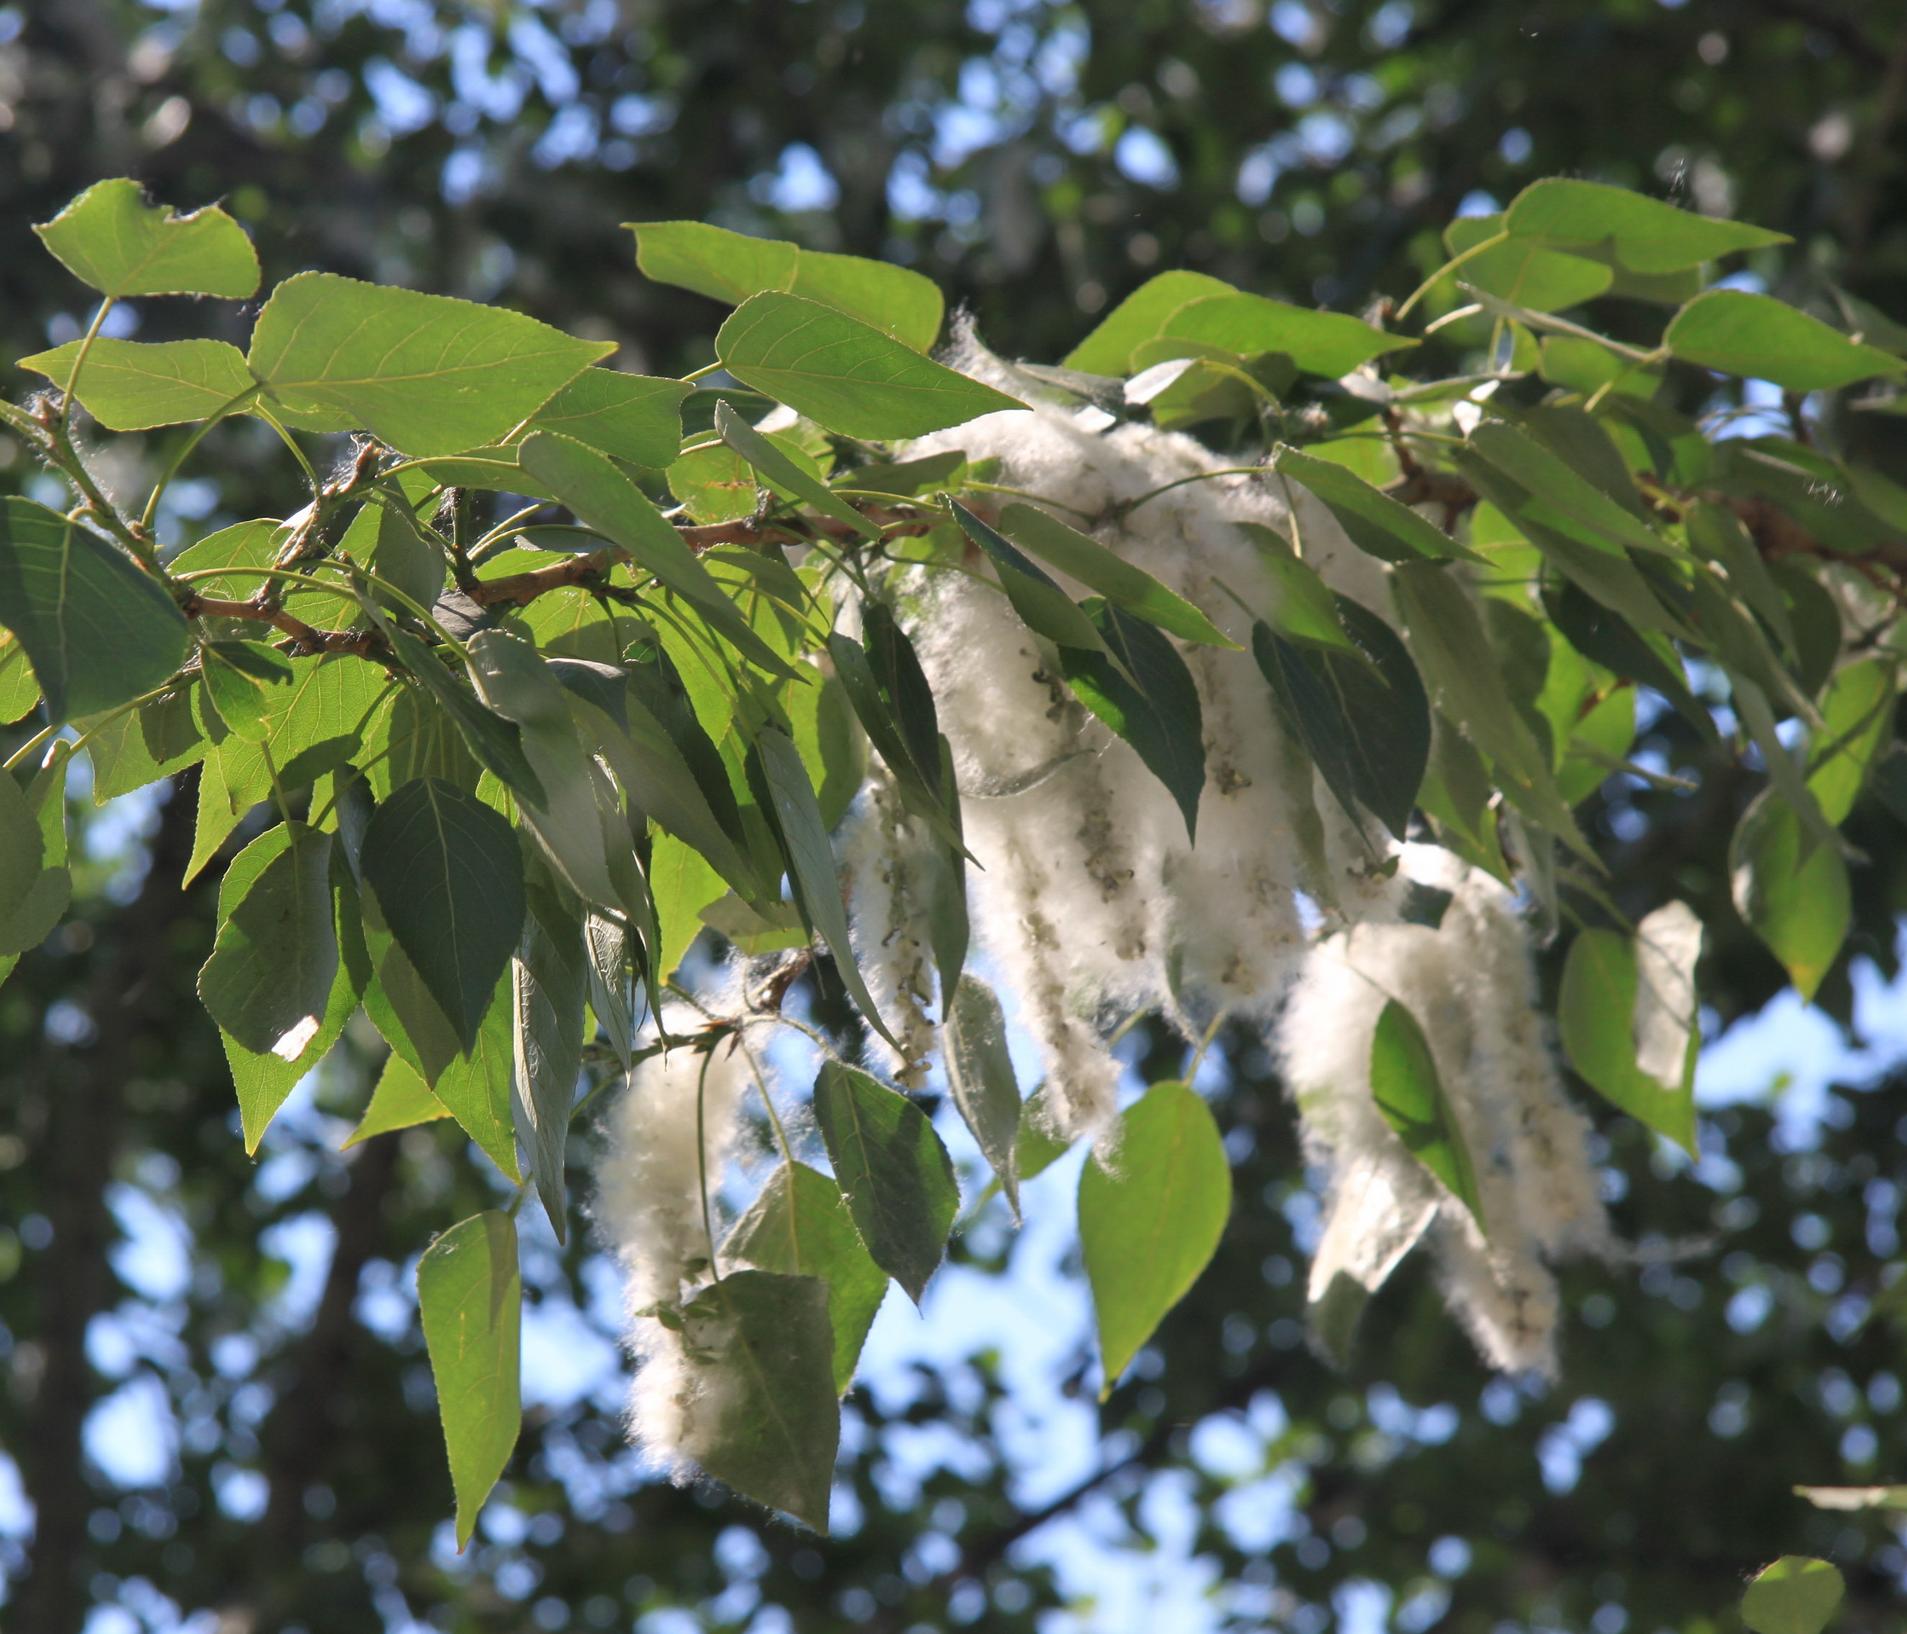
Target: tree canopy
<point>1320,754</point>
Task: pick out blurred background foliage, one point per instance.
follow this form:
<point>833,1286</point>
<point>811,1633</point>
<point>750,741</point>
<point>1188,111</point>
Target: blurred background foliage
<point>214,1405</point>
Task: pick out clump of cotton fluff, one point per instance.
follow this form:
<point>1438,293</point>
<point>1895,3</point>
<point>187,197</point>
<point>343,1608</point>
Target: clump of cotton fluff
<point>1470,985</point>
<point>649,1208</point>
<point>884,856</point>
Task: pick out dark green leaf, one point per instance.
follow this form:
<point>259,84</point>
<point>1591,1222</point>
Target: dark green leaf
<point>980,1074</point>
<point>1411,1097</point>
<point>766,1421</point>
<point>495,742</point>
<point>611,998</point>
<point>893,1169</point>
<point>98,630</point>
<point>111,238</point>
<point>787,793</point>
<point>1130,588</point>
<point>844,374</point>
<point>1376,523</point>
<point>129,385</point>
<point>547,984</point>
<point>470,1296</point>
<point>449,881</point>
<point>1043,607</point>
<point>21,848</point>
<point>1150,1217</point>
<point>799,1224</point>
<point>268,981</point>
<point>425,373</point>
<point>1159,716</point>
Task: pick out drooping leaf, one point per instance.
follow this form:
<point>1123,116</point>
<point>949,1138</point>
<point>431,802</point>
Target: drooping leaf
<point>1760,338</point>
<point>776,467</point>
<point>1792,891</point>
<point>1150,1219</point>
<point>767,1421</point>
<point>1644,234</point>
<point>844,374</point>
<point>129,385</point>
<point>111,238</point>
<point>1856,718</point>
<point>1159,716</point>
<point>98,630</point>
<point>606,500</point>
<point>1375,522</point>
<point>788,794</point>
<point>470,1295</point>
<point>1129,588</point>
<point>21,848</point>
<point>611,999</point>
<point>1602,1015</point>
<point>496,743</point>
<point>269,978</point>
<point>449,881</point>
<point>799,1224</point>
<point>980,1074</point>
<point>1795,1595</point>
<point>548,979</point>
<point>400,1099</point>
<point>893,1170</point>
<point>733,266</point>
<point>427,374</point>
<point>1411,1097</point>
<point>629,416</point>
<point>1043,607</point>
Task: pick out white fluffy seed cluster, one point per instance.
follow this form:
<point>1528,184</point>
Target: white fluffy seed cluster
<point>670,1131</point>
<point>1094,903</point>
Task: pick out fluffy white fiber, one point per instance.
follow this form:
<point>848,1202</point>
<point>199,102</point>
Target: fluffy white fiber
<point>649,1210</point>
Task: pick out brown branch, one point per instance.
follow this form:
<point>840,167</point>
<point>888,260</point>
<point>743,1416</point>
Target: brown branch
<point>309,640</point>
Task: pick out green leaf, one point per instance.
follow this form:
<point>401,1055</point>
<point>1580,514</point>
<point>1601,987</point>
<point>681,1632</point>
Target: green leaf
<point>1517,270</point>
<point>787,793</point>
<point>893,1169</point>
<point>1599,1009</point>
<point>1140,317</point>
<point>548,979</point>
<point>425,373</point>
<point>560,808</point>
<point>845,375</point>
<point>110,238</point>
<point>19,686</point>
<point>980,1074</point>
<point>733,266</point>
<point>1412,1100</point>
<point>449,881</point>
<point>21,847</point>
<point>611,998</point>
<point>1448,641</point>
<point>799,1224</point>
<point>766,1420</point>
<point>684,885</point>
<point>1644,234</point>
<point>1362,715</point>
<point>399,1100</point>
<point>1854,1497</point>
<point>1159,716</point>
<point>268,980</point>
<point>1321,343</point>
<point>1556,495</point>
<point>604,499</point>
<point>98,630</point>
<point>470,1296</point>
<point>1760,338</point>
<point>1150,1217</point>
<point>1377,524</point>
<point>1130,588</point>
<point>776,467</point>
<point>1856,718</point>
<point>129,385</point>
<point>1795,1595</point>
<point>1793,892</point>
<point>629,416</point>
<point>1043,607</point>
<point>246,681</point>
<point>495,743</point>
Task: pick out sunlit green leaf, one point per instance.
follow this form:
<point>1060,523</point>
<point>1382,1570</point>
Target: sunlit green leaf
<point>111,238</point>
<point>129,385</point>
<point>1411,1096</point>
